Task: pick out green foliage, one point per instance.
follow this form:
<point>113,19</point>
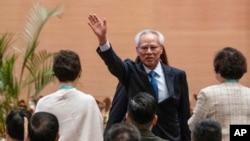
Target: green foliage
<point>36,69</point>
<point>9,88</point>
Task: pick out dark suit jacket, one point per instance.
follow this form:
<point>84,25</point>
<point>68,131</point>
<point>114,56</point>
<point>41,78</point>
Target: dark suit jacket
<point>173,112</point>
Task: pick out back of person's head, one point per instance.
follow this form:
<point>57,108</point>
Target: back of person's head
<point>43,126</point>
<point>123,132</point>
<point>207,130</point>
<point>66,66</point>
<point>15,123</point>
<point>142,108</point>
<point>230,63</point>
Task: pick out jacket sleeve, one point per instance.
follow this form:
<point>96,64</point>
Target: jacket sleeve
<point>184,110</point>
<point>115,64</point>
<point>200,111</point>
<point>119,107</point>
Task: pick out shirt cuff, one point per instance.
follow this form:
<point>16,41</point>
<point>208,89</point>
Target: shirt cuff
<point>105,47</point>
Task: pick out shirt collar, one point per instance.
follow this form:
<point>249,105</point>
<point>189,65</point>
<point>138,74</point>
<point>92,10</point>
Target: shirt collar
<point>157,69</point>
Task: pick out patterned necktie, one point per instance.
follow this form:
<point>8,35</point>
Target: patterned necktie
<point>153,82</point>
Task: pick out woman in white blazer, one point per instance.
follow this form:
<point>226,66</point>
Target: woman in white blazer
<point>228,102</point>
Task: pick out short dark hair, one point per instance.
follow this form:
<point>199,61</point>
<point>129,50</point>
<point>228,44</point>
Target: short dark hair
<point>123,132</point>
<point>142,108</point>
<point>43,126</point>
<point>207,130</point>
<point>15,123</point>
<point>66,65</point>
<point>230,63</point>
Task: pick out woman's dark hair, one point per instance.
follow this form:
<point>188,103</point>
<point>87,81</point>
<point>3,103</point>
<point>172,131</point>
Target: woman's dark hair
<point>230,63</point>
<point>66,66</point>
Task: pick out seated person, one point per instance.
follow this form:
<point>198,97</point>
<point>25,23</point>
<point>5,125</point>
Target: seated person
<point>15,124</point>
<point>207,130</point>
<point>122,132</point>
<point>43,126</point>
<point>142,113</point>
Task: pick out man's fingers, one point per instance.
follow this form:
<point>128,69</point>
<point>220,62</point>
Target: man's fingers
<point>96,19</point>
<point>93,18</point>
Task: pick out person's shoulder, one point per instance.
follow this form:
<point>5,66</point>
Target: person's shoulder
<point>43,102</point>
<point>172,69</point>
<point>211,87</point>
<point>211,90</point>
<point>157,138</point>
<point>246,88</point>
<point>160,139</point>
<point>127,60</point>
<point>84,95</point>
<point>46,98</point>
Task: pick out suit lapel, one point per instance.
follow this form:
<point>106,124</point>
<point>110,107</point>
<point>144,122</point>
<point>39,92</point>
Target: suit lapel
<point>144,78</point>
<point>169,77</point>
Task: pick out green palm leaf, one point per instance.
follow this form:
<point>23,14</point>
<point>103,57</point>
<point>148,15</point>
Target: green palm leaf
<point>37,66</point>
<point>38,61</point>
<point>9,87</point>
<point>37,18</point>
<point>40,68</point>
<point>8,80</point>
<point>4,43</point>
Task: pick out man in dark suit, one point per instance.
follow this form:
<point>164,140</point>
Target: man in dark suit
<point>167,84</point>
<point>142,113</point>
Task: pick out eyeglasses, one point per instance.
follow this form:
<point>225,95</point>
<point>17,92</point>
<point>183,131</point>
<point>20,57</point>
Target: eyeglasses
<point>145,48</point>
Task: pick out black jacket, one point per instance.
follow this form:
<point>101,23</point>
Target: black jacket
<point>173,113</point>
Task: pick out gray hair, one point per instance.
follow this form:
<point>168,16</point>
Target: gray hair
<point>149,31</point>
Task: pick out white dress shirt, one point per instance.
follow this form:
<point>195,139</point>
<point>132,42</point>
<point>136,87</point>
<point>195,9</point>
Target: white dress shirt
<point>161,82</point>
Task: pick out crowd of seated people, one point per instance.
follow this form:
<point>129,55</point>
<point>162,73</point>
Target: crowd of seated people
<point>21,125</point>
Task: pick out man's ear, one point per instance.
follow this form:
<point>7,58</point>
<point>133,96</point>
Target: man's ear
<point>128,120</point>
<point>155,120</point>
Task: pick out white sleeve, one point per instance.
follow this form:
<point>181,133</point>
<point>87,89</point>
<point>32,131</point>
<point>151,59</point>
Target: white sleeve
<point>105,47</point>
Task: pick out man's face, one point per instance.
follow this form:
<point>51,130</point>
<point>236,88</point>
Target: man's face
<point>149,50</point>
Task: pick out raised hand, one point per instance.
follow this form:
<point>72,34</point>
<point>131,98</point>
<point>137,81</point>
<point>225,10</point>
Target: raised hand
<point>99,27</point>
